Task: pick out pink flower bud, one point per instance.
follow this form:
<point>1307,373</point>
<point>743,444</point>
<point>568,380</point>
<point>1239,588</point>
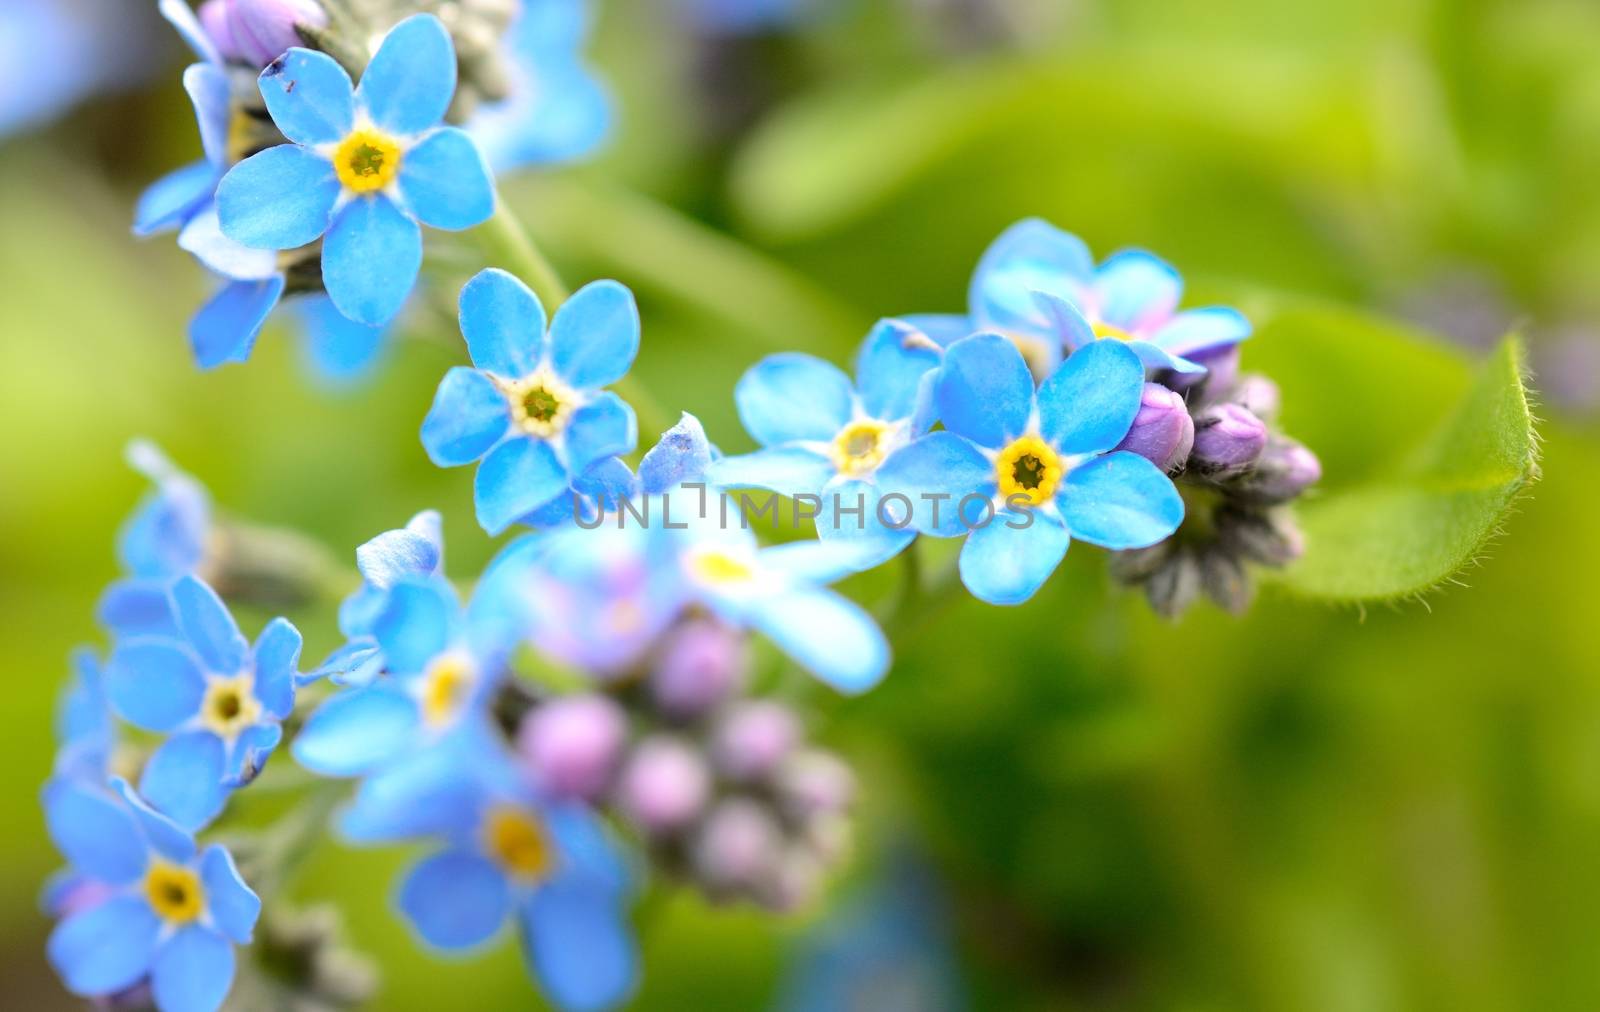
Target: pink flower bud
<point>1162,432</point>
<point>753,738</point>
<point>259,31</point>
<point>1228,439</point>
<point>702,663</point>
<point>737,845</point>
<point>664,785</point>
<point>572,744</point>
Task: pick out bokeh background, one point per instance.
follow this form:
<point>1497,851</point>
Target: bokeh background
<point>1070,805</point>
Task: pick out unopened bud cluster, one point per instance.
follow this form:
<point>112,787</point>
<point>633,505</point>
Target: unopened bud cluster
<point>723,787</point>
<point>1236,475</point>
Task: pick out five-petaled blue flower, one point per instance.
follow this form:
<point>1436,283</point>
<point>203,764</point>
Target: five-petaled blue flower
<point>533,408</point>
<point>1040,287</point>
<point>363,168</point>
<point>167,536</point>
<point>439,666</point>
<point>220,700</point>
<point>551,868</point>
<point>146,904</point>
<point>1022,472</point>
<point>826,439</point>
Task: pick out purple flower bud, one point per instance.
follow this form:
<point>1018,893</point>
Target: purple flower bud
<point>737,844</point>
<point>1227,440</point>
<point>1258,395</point>
<point>701,664</point>
<point>664,785</point>
<point>572,744</point>
<point>1285,470</point>
<point>1163,432</point>
<point>813,783</point>
<point>753,738</point>
<point>259,31</point>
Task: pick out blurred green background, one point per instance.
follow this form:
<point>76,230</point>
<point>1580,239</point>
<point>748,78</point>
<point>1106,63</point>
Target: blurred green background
<point>1313,807</point>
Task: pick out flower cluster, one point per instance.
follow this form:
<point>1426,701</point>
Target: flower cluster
<point>586,707</point>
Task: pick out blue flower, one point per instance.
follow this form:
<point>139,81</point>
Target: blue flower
<point>533,409</point>
<point>552,869</point>
<point>825,438</point>
<point>162,910</point>
<point>85,733</point>
<point>363,168</point>
<point>169,535</point>
<point>1022,472</point>
<point>556,111</point>
<point>220,701</point>
<point>439,669</point>
<point>1040,287</point>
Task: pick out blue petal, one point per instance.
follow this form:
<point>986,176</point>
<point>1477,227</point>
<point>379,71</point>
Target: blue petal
<point>355,663</point>
<point>827,634</point>
<point>370,260</point>
<point>409,84</point>
<point>212,96</point>
<point>426,793</point>
<point>1120,501</point>
<point>985,391</point>
<point>1197,330</point>
<point>232,904</point>
<point>826,560</point>
<point>1088,404</point>
<point>787,470</point>
<point>193,971</point>
<point>225,329</point>
<point>357,731</point>
<point>1135,288</point>
<point>309,96</point>
<point>170,200</point>
<point>277,661</point>
<point>208,626</point>
<point>1030,256</point>
<point>339,349</point>
<point>557,111</point>
<point>516,478</point>
<point>416,625</point>
<point>890,369</point>
<point>682,454</point>
<point>281,198</point>
<point>97,836</point>
<point>938,464</point>
<point>250,753</point>
<point>455,899</point>
<point>1066,320</point>
<point>503,322</point>
<point>202,237</point>
<point>154,683</point>
<point>580,948</point>
<point>595,335</point>
<point>183,779</point>
<point>604,427</point>
<point>414,550</point>
<point>83,712</point>
<point>469,415</point>
<point>182,17</point>
<point>137,608</point>
<point>791,396</point>
<point>167,838</point>
<point>588,848</point>
<point>1006,564</point>
<point>106,948</point>
<point>1156,358</point>
<point>872,542</point>
<point>944,329</point>
<point>445,183</point>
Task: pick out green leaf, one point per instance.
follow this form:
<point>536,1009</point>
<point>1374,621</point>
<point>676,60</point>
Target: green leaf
<point>1422,459</point>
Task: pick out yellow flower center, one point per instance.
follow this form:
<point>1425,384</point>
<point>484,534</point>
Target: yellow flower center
<point>516,841</point>
<point>230,706</point>
<point>1111,330</point>
<point>446,686</point>
<point>174,893</point>
<point>861,446</point>
<point>367,161</point>
<point>1029,467</point>
<point>541,404</point>
<point>715,567</point>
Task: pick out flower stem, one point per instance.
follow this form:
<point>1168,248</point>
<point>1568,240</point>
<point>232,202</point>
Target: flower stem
<point>507,244</point>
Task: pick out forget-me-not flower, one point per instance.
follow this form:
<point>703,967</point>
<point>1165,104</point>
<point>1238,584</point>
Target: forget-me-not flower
<point>1040,287</point>
<point>824,437</point>
<point>1022,472</point>
<point>220,701</point>
<point>85,732</point>
<point>163,910</point>
<point>532,408</point>
<point>169,535</point>
<point>363,168</point>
